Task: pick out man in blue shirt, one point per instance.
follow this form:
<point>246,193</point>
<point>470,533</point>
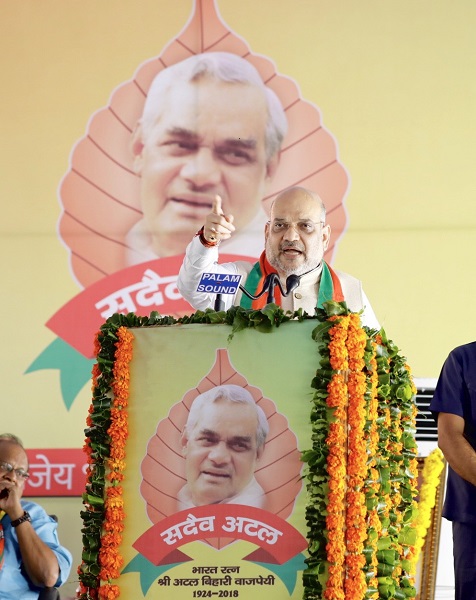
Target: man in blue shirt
<point>31,557</point>
<point>454,405</point>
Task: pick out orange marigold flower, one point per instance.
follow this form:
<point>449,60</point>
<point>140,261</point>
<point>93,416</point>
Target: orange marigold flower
<point>115,526</point>
<point>110,559</point>
<point>109,592</point>
<point>111,539</point>
<point>334,594</point>
<point>335,521</point>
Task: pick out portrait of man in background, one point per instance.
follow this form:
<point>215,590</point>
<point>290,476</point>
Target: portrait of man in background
<point>222,442</point>
<point>209,126</point>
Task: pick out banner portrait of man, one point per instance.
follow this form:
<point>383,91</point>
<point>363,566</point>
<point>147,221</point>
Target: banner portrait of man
<point>223,443</point>
<point>213,474</point>
<point>207,117</point>
<point>200,119</point>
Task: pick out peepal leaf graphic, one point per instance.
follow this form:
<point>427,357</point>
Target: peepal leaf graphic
<point>163,467</point>
<point>99,193</point>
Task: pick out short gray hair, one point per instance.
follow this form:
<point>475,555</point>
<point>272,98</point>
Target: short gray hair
<point>232,393</point>
<point>223,66</point>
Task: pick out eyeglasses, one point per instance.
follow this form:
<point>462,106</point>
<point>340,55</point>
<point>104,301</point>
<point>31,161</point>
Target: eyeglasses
<point>301,226</point>
<point>20,473</point>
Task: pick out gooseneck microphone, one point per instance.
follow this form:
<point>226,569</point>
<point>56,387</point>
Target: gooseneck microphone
<point>292,282</point>
<point>272,280</point>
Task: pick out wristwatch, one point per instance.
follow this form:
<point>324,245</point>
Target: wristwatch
<point>22,519</point>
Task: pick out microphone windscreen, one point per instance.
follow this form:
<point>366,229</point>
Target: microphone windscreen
<point>292,282</point>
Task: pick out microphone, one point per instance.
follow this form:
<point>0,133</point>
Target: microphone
<point>272,280</point>
<point>292,283</point>
<point>294,280</point>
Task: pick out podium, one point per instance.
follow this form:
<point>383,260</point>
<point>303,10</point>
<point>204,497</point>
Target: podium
<point>338,470</point>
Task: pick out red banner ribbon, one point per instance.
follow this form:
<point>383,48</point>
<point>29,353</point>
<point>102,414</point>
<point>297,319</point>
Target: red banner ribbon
<point>278,540</point>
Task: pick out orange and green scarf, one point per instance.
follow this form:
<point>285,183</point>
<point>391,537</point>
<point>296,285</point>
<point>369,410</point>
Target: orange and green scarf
<point>329,286</point>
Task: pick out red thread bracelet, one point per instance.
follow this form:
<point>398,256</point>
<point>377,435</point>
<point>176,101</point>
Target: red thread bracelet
<point>204,241</point>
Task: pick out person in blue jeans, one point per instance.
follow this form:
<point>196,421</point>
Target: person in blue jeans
<point>454,407</point>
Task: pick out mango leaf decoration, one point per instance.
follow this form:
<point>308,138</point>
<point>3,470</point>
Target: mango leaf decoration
<point>163,468</point>
<point>100,192</point>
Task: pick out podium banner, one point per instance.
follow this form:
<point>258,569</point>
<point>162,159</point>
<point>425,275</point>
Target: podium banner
<point>197,436</point>
<point>221,549</point>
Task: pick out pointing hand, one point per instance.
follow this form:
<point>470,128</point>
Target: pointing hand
<point>218,226</point>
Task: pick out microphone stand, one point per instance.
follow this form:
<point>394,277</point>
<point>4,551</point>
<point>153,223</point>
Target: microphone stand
<point>271,281</point>
<point>219,303</point>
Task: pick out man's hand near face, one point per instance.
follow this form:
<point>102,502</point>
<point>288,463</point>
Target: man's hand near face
<point>10,498</point>
<point>37,558</point>
<point>218,226</point>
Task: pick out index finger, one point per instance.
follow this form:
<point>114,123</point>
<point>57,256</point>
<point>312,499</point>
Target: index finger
<point>216,205</point>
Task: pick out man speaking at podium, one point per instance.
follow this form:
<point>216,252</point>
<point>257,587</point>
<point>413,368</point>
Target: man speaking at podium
<point>296,237</point>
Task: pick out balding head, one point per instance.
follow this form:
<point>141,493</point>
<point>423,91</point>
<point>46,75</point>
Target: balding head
<point>303,197</point>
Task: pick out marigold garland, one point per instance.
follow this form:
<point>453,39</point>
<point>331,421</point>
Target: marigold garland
<point>346,461</point>
<point>371,486</point>
<point>370,457</point>
<point>97,574</point>
<point>433,467</point>
<point>397,465</point>
<point>109,558</point>
<point>357,471</point>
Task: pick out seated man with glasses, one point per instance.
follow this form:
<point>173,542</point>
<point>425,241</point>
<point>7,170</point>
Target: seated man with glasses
<point>296,237</point>
<point>31,557</point>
